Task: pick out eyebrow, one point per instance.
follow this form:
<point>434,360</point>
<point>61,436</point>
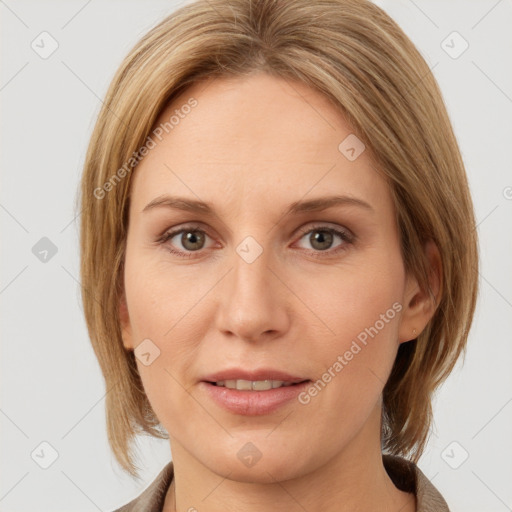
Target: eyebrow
<point>312,205</point>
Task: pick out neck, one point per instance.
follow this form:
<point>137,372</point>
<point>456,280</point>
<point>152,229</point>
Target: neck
<point>354,479</point>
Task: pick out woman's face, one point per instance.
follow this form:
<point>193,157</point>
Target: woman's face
<point>252,286</point>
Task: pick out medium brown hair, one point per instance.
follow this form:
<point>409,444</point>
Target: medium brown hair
<point>353,53</point>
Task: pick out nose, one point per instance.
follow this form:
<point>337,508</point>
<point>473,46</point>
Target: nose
<point>255,304</point>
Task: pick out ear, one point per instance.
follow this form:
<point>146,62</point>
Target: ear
<point>420,305</point>
<point>126,328</point>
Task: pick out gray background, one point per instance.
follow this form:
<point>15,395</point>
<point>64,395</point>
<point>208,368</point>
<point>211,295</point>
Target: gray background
<point>52,390</point>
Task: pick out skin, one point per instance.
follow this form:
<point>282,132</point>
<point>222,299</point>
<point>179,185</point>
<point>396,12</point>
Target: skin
<point>251,147</point>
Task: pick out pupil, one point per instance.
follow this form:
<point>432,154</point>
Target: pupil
<point>321,237</point>
<point>192,238</point>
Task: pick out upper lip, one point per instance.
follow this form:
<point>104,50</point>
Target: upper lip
<point>259,374</point>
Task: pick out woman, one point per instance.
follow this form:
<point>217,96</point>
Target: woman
<point>278,257</point>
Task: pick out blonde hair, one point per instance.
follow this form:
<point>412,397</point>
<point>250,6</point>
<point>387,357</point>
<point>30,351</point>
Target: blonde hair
<point>357,56</point>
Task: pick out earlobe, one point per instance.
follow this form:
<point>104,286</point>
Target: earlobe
<point>419,304</point>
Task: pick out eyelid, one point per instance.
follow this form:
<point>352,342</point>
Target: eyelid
<point>326,225</point>
<point>172,232</point>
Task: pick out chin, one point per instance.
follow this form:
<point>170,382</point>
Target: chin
<point>259,461</point>
<point>262,473</point>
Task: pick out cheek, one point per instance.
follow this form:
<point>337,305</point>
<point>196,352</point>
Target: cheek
<point>158,296</point>
<point>361,308</point>
<point>163,313</point>
<point>356,298</point>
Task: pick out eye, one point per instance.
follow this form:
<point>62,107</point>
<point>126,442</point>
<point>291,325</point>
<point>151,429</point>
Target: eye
<point>322,238</point>
<point>191,239</point>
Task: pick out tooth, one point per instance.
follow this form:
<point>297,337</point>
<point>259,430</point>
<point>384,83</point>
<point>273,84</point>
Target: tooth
<point>243,385</point>
<point>262,385</point>
<point>254,385</point>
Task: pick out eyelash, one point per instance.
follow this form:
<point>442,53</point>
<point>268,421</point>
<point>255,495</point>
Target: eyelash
<point>345,236</point>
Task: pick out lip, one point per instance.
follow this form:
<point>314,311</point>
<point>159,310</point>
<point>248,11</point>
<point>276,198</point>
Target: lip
<point>252,403</point>
<point>260,374</point>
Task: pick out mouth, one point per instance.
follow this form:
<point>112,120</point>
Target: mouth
<point>253,393</point>
<point>262,379</point>
<point>254,385</point>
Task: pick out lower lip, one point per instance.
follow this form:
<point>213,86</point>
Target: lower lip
<point>253,403</point>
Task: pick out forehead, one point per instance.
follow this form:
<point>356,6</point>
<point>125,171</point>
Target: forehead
<point>248,136</point>
<point>273,115</point>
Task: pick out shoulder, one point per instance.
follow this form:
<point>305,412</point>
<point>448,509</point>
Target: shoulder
<point>408,477</point>
<point>153,497</point>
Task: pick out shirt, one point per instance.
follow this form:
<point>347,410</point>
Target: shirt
<point>405,475</point>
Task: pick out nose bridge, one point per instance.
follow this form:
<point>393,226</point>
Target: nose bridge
<point>251,269</point>
<point>252,305</point>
